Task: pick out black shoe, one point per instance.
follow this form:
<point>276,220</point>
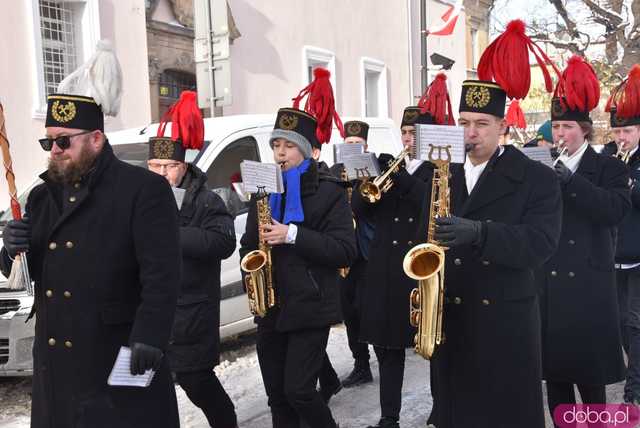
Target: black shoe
<point>386,423</point>
<point>330,391</point>
<point>358,376</point>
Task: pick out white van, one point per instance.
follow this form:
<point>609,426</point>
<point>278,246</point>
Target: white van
<point>228,141</point>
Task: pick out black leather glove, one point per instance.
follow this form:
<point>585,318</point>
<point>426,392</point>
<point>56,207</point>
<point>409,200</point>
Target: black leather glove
<point>457,231</point>
<point>563,173</point>
<point>16,236</point>
<point>383,161</point>
<point>144,357</point>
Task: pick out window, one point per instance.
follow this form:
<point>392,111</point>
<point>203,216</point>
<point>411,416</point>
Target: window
<point>65,34</point>
<point>373,87</point>
<point>475,54</point>
<point>171,83</point>
<point>312,58</point>
<point>225,170</point>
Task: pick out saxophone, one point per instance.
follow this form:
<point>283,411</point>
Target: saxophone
<point>257,264</point>
<point>372,191</point>
<point>345,177</point>
<point>425,263</point>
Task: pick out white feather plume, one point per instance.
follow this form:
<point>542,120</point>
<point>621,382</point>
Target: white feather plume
<point>99,78</point>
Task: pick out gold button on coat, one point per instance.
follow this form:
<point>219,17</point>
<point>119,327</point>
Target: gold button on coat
<point>410,219</point>
<point>72,199</point>
<point>554,273</point>
<point>485,262</point>
<point>68,344</point>
<point>485,302</point>
<point>396,219</point>
<point>457,300</point>
<point>53,245</point>
<point>457,262</point>
<point>395,242</point>
<point>571,274</point>
<point>69,244</point>
<point>52,342</point>
<point>49,293</point>
<point>67,294</point>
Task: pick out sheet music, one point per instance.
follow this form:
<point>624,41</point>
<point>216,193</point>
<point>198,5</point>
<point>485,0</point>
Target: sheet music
<point>540,154</point>
<point>258,174</point>
<point>121,372</point>
<point>344,149</point>
<point>361,165</point>
<point>178,193</point>
<point>440,136</point>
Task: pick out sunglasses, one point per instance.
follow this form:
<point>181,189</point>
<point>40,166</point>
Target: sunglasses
<point>63,142</point>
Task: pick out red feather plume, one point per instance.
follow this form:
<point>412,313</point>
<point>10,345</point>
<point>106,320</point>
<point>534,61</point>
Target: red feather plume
<point>321,105</point>
<point>506,61</point>
<point>187,125</point>
<point>436,101</point>
<point>515,115</point>
<point>579,85</point>
<point>625,98</point>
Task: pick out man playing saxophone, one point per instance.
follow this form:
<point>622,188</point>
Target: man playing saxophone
<point>506,215</point>
<point>311,237</point>
<point>384,303</point>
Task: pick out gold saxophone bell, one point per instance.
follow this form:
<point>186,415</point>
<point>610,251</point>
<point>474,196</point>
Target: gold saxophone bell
<point>372,191</point>
<point>425,263</point>
<point>257,265</point>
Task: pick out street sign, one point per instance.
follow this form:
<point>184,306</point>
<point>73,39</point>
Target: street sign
<point>211,53</point>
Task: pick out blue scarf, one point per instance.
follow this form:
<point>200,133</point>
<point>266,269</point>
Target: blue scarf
<point>293,204</point>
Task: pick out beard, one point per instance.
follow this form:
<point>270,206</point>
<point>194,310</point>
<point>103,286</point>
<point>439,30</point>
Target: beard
<point>65,171</point>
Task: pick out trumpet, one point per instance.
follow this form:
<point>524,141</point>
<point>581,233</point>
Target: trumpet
<point>372,191</point>
<point>563,151</point>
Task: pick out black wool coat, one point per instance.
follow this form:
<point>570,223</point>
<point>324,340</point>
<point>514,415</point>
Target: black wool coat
<point>580,328</point>
<point>384,300</point>
<point>306,273</point>
<point>106,272</point>
<point>487,373</point>
<point>206,238</point>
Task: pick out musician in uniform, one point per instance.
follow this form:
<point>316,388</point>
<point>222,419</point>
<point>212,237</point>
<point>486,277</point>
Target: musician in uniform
<point>206,238</point>
<point>384,300</point>
<point>103,249</point>
<point>581,342</point>
<point>626,133</point>
<point>311,238</point>
<point>505,222</point>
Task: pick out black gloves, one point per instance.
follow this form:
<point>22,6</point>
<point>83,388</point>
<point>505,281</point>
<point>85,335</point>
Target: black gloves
<point>383,161</point>
<point>144,357</point>
<point>563,173</point>
<point>16,236</point>
<point>457,231</point>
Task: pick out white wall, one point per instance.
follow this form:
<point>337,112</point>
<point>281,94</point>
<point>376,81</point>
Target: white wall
<point>122,21</point>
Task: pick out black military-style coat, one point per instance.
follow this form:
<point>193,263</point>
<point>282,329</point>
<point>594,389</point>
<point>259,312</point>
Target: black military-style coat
<point>384,311</point>
<point>206,238</point>
<point>580,327</point>
<point>488,371</point>
<point>306,273</point>
<point>106,272</point>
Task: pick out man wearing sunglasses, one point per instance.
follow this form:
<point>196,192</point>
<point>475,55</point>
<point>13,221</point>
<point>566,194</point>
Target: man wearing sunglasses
<point>103,249</point>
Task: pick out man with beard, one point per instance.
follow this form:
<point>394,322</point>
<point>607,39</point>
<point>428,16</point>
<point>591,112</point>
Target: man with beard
<point>206,237</point>
<point>102,239</point>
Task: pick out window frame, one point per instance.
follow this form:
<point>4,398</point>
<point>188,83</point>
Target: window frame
<point>313,55</point>
<point>89,29</point>
<point>377,66</point>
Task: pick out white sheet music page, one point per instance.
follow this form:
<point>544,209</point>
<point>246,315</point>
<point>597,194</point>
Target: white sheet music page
<point>362,165</point>
<point>121,372</point>
<point>430,137</point>
<point>344,149</point>
<point>257,175</point>
<point>540,154</point>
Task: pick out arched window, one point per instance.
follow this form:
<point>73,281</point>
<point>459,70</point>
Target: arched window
<point>170,84</point>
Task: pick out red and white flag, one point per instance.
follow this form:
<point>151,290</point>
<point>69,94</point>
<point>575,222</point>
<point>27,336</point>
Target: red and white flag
<point>449,19</point>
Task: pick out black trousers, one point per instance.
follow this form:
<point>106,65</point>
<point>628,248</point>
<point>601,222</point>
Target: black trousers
<point>391,367</point>
<point>290,363</point>
<point>349,300</point>
<point>205,391</point>
<point>563,393</point>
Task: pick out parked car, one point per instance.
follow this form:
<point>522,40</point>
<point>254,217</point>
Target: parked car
<point>228,141</point>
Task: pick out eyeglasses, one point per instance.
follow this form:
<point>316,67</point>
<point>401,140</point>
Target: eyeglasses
<point>158,166</point>
<point>63,141</point>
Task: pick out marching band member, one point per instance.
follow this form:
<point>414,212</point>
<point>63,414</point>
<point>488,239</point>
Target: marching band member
<point>385,295</point>
<point>580,327</point>
<point>311,238</point>
<point>506,214</point>
<point>625,126</point>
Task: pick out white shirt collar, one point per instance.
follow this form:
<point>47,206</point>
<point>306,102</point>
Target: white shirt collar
<point>572,162</point>
<point>413,165</point>
<point>473,172</point>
